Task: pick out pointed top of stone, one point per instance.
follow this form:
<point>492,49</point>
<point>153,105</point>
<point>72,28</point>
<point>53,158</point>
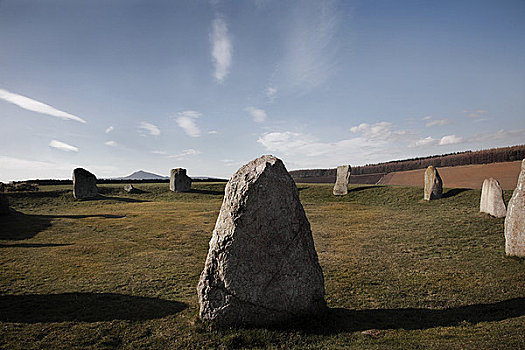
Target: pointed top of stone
<point>433,184</point>
<point>262,267</point>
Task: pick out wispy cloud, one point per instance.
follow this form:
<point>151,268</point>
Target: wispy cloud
<point>382,131</point>
<point>221,48</point>
<point>428,117</point>
<point>111,143</point>
<point>185,154</point>
<point>271,92</point>
<point>36,106</point>
<point>186,120</point>
<point>475,114</point>
<point>158,152</point>
<point>450,140</point>
<point>213,132</point>
<point>149,128</point>
<point>258,115</point>
<point>63,146</point>
<point>439,122</point>
<point>110,129</point>
<point>310,59</point>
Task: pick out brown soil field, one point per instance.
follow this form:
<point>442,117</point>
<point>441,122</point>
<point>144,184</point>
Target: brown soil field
<point>467,176</point>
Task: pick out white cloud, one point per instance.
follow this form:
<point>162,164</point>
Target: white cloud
<point>425,142</point>
<point>110,129</point>
<point>158,152</point>
<point>221,50</point>
<point>428,117</point>
<point>149,128</point>
<point>439,122</point>
<point>111,143</point>
<point>257,114</point>
<point>213,132</point>
<point>186,120</point>
<point>36,106</point>
<point>450,140</point>
<point>271,92</point>
<point>63,146</point>
<point>381,131</point>
<point>185,154</point>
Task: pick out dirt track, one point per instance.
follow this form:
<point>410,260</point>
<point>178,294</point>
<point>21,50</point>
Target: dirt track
<point>468,176</point>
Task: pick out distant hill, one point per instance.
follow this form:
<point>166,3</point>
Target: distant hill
<point>142,175</point>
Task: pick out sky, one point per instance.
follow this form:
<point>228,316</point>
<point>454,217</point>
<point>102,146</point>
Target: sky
<point>119,86</point>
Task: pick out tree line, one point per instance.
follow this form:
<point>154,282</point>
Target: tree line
<point>493,155</point>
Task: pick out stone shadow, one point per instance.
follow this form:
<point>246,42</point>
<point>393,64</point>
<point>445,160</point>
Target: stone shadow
<point>34,245</point>
<point>84,307</point>
<point>19,226</point>
<point>119,199</point>
<point>362,188</point>
<point>212,192</point>
<point>343,320</point>
<point>454,192</point>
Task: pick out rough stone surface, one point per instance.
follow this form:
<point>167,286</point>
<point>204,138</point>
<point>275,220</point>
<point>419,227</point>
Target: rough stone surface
<point>130,189</point>
<point>84,184</point>
<point>515,220</point>
<point>492,199</point>
<point>4,205</point>
<point>179,181</point>
<point>342,179</point>
<point>262,267</point>
<point>433,184</point>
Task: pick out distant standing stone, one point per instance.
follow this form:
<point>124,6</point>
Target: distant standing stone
<point>492,199</point>
<point>341,182</point>
<point>179,181</point>
<point>4,204</point>
<point>433,184</point>
<point>515,220</point>
<point>130,189</point>
<point>262,267</point>
<point>84,184</point>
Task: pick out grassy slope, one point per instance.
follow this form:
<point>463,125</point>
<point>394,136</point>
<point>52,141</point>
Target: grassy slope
<point>121,272</point>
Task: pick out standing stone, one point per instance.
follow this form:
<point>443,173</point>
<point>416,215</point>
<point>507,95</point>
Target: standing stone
<point>262,267</point>
<point>130,189</point>
<point>179,181</point>
<point>433,184</point>
<point>515,220</point>
<point>4,205</point>
<point>84,184</point>
<point>492,199</point>
<point>341,182</point>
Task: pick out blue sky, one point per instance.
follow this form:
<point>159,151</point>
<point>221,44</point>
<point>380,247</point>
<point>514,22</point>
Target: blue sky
<point>118,86</point>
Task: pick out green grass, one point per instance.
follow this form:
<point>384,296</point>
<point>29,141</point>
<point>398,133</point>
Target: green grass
<point>121,272</point>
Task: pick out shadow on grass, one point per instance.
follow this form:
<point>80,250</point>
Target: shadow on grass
<point>454,192</point>
<point>119,199</point>
<point>343,320</point>
<point>19,226</point>
<point>33,245</point>
<point>84,307</point>
<point>212,192</point>
<point>362,188</point>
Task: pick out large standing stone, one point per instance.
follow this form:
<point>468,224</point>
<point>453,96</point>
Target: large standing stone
<point>84,184</point>
<point>492,199</point>
<point>433,184</point>
<point>262,266</point>
<point>179,181</point>
<point>341,182</point>
<point>4,205</point>
<point>515,220</point>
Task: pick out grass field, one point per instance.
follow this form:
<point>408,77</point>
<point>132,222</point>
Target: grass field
<point>121,272</point>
